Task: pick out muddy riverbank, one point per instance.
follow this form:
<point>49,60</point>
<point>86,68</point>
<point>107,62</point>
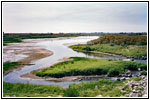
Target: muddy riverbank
<point>24,53</point>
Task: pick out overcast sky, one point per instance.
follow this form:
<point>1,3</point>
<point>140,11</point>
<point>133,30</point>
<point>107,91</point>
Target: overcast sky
<point>74,17</point>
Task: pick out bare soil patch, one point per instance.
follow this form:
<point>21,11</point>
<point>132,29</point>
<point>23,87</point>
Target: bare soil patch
<point>24,52</point>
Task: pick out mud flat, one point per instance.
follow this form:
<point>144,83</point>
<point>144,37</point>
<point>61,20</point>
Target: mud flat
<point>24,52</point>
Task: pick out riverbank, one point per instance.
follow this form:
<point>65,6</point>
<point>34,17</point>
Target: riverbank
<point>130,46</point>
<point>23,53</point>
<point>130,51</point>
<point>133,87</point>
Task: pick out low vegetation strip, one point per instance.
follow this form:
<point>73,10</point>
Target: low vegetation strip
<point>101,88</point>
<point>10,65</point>
<point>13,37</point>
<point>122,40</point>
<point>89,66</point>
<point>125,45</point>
<point>29,90</point>
<point>94,88</point>
<point>129,50</point>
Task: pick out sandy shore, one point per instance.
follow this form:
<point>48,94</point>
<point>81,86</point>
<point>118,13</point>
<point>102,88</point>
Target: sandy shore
<point>24,52</point>
<point>67,78</point>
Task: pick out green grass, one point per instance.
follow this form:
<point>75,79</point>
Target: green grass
<point>135,78</point>
<point>84,89</point>
<point>94,88</point>
<point>89,66</point>
<point>9,65</point>
<point>128,50</point>
<point>23,90</point>
<point>7,40</point>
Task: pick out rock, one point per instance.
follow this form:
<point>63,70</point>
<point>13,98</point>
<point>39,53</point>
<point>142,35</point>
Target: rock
<point>133,95</point>
<point>145,95</point>
<point>130,75</point>
<point>144,58</point>
<point>132,59</point>
<point>99,96</point>
<point>123,78</point>
<point>139,69</point>
<point>96,86</point>
<point>123,88</point>
<point>118,79</point>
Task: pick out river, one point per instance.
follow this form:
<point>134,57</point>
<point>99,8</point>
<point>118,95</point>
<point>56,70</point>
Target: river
<point>60,49</point>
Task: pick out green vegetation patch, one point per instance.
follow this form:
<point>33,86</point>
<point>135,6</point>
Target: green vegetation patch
<point>125,45</point>
<point>89,66</point>
<point>9,65</point>
<point>95,88</point>
<point>130,50</point>
<point>135,79</point>
<point>29,90</point>
<point>84,89</point>
<point>122,39</point>
<point>16,37</point>
<point>7,39</point>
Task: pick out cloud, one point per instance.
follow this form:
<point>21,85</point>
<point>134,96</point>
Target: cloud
<point>74,17</point>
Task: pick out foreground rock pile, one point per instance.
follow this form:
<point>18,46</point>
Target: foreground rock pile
<point>136,88</point>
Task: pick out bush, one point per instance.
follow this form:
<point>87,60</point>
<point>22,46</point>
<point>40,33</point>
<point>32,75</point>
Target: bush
<point>71,92</point>
<point>87,48</point>
<point>113,72</point>
<point>9,65</point>
<point>144,73</point>
<point>112,44</point>
<point>121,40</point>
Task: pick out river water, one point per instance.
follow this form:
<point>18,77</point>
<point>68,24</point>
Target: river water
<point>60,49</point>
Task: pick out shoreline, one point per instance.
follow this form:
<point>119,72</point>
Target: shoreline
<point>32,56</point>
<point>25,53</point>
<point>66,78</point>
<point>109,54</point>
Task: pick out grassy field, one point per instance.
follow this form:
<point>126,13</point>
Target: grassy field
<point>129,50</point>
<point>10,65</point>
<point>83,89</point>
<point>89,66</point>
<point>125,45</point>
<point>101,87</point>
<point>29,90</point>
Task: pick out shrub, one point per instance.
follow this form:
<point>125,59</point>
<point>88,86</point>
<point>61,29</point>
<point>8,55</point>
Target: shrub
<point>113,72</point>
<point>144,73</point>
<point>71,92</point>
<point>121,40</point>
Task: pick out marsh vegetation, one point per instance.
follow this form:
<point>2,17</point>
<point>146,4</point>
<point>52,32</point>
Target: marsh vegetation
<point>129,46</point>
<point>90,66</point>
<point>77,66</point>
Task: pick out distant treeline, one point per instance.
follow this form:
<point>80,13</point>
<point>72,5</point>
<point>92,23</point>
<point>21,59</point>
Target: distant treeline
<point>16,37</point>
<point>121,40</point>
<point>32,35</point>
